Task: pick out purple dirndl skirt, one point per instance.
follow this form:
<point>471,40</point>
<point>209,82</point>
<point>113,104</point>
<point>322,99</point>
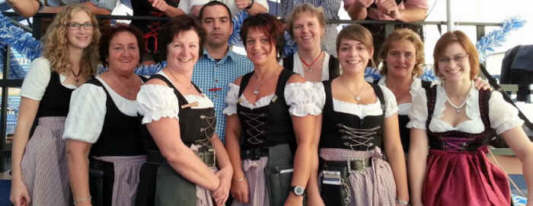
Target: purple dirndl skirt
<point>44,164</point>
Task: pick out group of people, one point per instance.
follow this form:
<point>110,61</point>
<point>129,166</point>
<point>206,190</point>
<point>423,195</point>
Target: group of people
<point>262,129</point>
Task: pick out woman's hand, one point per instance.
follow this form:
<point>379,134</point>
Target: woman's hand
<point>19,193</point>
<point>294,200</point>
<point>481,84</point>
<point>239,190</point>
<point>221,194</point>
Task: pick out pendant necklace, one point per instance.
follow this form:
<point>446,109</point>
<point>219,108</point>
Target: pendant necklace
<point>357,97</point>
<point>76,76</point>
<point>308,67</point>
<point>256,89</point>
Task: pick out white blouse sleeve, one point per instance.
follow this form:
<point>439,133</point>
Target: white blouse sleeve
<point>419,111</point>
<point>302,99</point>
<point>36,80</point>
<point>86,114</point>
<point>157,101</point>
<point>232,99</point>
<point>390,101</point>
<point>502,115</point>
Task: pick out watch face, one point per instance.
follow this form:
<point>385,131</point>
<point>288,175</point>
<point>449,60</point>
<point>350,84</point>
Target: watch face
<point>298,190</point>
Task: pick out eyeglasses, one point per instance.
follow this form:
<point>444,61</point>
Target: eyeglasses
<point>457,58</point>
<point>85,26</point>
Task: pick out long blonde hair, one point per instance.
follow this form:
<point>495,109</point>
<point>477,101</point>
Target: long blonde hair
<point>56,43</point>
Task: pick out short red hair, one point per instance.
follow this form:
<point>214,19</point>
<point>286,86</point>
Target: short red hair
<point>457,37</point>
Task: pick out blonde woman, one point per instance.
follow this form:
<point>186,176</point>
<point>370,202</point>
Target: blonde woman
<point>69,58</point>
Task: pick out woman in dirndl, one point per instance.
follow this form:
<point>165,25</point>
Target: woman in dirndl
<point>103,130</point>
<point>269,130</point>
<point>187,163</point>
<point>451,125</point>
<point>70,57</point>
<point>359,121</point>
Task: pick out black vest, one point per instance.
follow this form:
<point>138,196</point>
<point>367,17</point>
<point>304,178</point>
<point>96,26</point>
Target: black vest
<point>197,126</point>
<point>333,65</point>
<point>457,140</point>
<point>56,99</point>
<point>269,125</point>
<point>403,119</point>
<point>121,134</point>
<point>347,131</point>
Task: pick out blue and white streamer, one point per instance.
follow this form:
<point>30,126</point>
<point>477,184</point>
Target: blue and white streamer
<point>495,38</point>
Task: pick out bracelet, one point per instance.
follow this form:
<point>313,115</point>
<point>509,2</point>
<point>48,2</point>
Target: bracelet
<point>402,202</point>
<point>250,5</point>
<point>239,180</point>
<point>81,200</point>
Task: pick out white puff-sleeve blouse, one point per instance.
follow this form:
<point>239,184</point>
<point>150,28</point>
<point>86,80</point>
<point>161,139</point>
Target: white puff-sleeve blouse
<point>87,111</point>
<point>300,96</point>
<point>502,115</point>
<point>37,78</point>
<point>361,110</point>
<point>159,101</point>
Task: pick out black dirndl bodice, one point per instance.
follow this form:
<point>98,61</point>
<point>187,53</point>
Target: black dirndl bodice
<point>269,125</point>
<point>347,131</point>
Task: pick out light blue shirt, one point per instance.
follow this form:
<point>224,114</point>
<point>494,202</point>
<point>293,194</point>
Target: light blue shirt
<point>213,77</point>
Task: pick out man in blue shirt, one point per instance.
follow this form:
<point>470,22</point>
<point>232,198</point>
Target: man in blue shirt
<point>218,65</point>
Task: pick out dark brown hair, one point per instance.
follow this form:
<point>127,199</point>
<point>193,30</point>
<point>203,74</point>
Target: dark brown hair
<point>112,31</point>
<point>269,25</point>
<point>176,26</point>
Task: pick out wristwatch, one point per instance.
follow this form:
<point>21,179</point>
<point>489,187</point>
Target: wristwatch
<point>298,190</point>
<point>250,5</point>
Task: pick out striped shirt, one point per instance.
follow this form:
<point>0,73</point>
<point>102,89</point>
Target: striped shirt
<point>213,78</point>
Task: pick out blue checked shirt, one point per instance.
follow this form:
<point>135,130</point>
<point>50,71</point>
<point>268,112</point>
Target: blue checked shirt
<point>213,78</point>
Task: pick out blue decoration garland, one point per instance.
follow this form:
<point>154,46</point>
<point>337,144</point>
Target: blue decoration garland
<point>27,46</point>
<point>495,38</point>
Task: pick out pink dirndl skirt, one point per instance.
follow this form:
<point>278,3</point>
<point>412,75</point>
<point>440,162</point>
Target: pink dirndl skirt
<point>255,175</point>
<point>44,164</point>
<point>372,186</point>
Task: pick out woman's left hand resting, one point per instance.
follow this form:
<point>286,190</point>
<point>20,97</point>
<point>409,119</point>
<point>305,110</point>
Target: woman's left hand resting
<point>221,193</point>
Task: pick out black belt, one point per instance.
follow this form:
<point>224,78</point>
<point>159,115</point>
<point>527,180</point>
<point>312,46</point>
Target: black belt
<point>353,165</point>
<point>254,153</point>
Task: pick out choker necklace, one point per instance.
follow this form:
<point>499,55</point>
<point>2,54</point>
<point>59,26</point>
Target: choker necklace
<point>76,76</point>
<point>458,108</point>
<point>307,66</point>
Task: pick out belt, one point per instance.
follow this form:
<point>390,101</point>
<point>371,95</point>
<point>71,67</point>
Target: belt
<point>207,156</point>
<point>351,165</point>
<point>254,153</point>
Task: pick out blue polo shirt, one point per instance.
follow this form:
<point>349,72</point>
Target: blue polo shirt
<point>213,78</point>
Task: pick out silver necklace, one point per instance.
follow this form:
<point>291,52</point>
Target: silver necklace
<point>458,108</point>
<point>357,97</point>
